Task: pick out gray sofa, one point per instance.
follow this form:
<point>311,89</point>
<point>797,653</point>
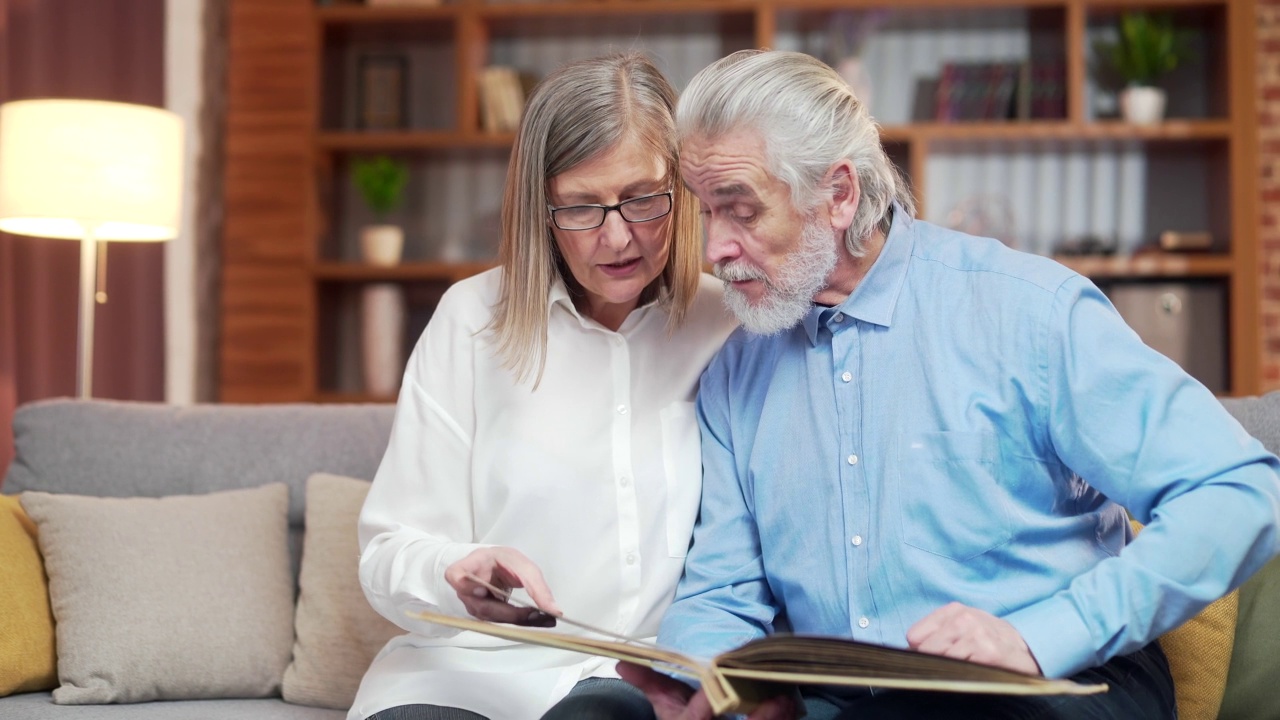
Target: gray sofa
<point>136,449</point>
<point>119,449</point>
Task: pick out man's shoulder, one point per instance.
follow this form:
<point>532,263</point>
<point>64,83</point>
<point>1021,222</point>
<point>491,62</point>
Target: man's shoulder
<point>947,251</point>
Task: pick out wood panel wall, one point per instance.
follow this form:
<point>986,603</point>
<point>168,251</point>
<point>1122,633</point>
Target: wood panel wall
<point>269,190</point>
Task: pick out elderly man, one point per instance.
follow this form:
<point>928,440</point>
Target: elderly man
<point>925,439</point>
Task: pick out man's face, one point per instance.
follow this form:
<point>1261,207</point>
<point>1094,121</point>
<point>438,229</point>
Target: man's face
<point>772,259</point>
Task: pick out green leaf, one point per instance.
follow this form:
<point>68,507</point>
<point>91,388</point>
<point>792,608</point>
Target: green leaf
<point>1148,47</point>
<point>381,182</point>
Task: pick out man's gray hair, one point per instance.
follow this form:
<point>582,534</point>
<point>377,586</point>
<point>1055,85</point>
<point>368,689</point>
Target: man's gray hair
<point>808,119</point>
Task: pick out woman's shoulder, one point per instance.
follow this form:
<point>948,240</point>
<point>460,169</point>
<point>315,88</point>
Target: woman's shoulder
<point>471,299</point>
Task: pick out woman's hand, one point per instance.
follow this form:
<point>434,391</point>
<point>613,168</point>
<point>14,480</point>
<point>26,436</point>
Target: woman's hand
<point>504,568</point>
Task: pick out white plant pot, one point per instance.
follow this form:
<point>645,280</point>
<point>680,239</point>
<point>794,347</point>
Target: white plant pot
<point>381,244</point>
<point>382,316</point>
<point>1142,105</point>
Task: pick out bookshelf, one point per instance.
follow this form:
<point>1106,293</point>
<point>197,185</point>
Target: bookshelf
<point>291,267</point>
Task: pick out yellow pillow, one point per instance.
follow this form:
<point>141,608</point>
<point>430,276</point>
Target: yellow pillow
<point>1199,655</point>
<point>28,659</point>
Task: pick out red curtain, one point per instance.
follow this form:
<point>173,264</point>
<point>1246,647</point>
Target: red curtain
<point>99,50</point>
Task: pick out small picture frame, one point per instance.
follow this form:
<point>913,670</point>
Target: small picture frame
<point>382,83</point>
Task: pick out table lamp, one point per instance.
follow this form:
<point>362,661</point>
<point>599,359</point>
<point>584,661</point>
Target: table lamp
<point>91,171</point>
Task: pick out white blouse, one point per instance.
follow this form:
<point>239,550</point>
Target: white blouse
<point>595,476</point>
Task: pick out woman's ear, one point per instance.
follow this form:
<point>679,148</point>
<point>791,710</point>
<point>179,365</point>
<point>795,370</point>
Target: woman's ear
<point>842,179</point>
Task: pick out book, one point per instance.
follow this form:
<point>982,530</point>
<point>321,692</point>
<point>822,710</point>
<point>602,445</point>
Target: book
<point>735,681</point>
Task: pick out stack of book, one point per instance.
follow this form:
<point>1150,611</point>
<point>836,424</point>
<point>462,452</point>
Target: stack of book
<point>993,91</point>
<point>501,99</point>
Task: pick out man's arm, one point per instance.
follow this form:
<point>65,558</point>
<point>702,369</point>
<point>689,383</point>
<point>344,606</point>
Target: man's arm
<point>723,599</point>
<point>1137,428</point>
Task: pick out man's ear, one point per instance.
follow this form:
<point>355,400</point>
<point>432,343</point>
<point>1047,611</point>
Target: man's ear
<point>842,180</point>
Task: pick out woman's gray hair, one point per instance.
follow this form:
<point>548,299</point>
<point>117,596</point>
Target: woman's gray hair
<point>577,113</point>
<point>808,119</point>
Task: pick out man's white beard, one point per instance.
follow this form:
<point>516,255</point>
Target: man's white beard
<point>787,299</point>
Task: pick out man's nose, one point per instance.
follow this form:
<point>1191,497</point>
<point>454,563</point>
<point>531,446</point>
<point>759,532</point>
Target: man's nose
<point>721,243</point>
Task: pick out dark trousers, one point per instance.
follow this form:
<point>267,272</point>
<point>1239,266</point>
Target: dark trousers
<point>590,699</point>
<point>1141,689</point>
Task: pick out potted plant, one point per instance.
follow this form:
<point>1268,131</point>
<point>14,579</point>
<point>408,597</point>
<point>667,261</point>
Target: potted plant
<point>1147,48</point>
<point>381,182</point>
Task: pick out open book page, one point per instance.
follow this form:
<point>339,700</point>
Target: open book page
<point>736,679</point>
<point>723,697</point>
<point>815,660</point>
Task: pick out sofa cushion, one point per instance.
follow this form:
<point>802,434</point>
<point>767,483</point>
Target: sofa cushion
<point>167,598</point>
<point>1255,663</point>
<point>27,658</point>
<point>338,633</point>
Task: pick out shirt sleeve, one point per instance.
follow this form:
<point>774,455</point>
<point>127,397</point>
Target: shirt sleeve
<point>723,599</point>
<point>417,518</point>
<point>1136,427</point>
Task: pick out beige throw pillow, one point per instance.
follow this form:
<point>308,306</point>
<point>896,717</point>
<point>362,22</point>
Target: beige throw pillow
<point>337,632</point>
<point>168,598</point>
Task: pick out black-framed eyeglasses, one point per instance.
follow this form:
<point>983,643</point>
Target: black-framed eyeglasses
<point>589,217</point>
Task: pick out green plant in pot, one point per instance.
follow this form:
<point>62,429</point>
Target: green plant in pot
<point>381,181</point>
<point>1148,47</point>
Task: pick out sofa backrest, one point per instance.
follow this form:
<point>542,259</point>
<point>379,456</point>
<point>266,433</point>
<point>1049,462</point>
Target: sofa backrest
<point>126,449</point>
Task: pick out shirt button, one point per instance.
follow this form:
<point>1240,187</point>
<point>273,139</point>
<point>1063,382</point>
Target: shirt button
<point>631,559</point>
<point>853,459</point>
<point>863,622</point>
<point>856,540</point>
<point>622,409</point>
<point>847,376</point>
<point>839,317</point>
<point>624,481</point>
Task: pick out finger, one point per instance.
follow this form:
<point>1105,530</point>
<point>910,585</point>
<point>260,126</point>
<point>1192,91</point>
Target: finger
<point>932,623</point>
<point>526,574</point>
<point>501,612</point>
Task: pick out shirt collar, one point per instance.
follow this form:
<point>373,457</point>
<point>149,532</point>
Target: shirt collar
<point>560,296</point>
<point>875,297</point>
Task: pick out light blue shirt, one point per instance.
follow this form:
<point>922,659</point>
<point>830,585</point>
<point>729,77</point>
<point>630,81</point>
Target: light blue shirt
<point>969,425</point>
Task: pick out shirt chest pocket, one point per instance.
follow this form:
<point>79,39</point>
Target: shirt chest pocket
<point>682,466</point>
<point>951,501</point>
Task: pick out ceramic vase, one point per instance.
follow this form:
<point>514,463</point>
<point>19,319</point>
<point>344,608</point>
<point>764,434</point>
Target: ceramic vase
<point>381,244</point>
<point>1142,105</point>
<point>382,317</point>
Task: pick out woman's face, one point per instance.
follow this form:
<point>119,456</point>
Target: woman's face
<point>615,262</point>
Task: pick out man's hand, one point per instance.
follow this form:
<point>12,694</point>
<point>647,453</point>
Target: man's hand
<point>673,700</point>
<point>504,568</point>
<point>967,633</point>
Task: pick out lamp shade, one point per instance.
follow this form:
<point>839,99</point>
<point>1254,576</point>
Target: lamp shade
<point>68,167</point>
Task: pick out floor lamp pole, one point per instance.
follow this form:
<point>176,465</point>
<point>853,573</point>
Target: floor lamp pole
<point>84,344</point>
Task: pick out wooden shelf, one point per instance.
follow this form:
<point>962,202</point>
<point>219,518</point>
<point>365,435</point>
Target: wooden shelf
<point>411,271</point>
<point>1013,131</point>
<point>1148,265</point>
<point>1171,130</point>
<point>390,141</point>
<point>352,398</point>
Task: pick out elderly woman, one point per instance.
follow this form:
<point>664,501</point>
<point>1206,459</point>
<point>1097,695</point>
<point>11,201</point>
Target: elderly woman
<point>545,435</point>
